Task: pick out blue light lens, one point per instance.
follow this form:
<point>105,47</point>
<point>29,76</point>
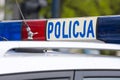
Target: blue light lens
<point>10,30</point>
<point>108,29</point>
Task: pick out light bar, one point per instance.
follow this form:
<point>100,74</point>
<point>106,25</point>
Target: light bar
<point>10,30</point>
<point>17,30</point>
<point>105,28</point>
<point>38,28</point>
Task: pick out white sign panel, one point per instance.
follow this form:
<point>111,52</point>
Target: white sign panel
<point>71,29</point>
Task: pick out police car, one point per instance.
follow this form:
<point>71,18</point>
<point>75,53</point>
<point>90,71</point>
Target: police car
<point>20,40</point>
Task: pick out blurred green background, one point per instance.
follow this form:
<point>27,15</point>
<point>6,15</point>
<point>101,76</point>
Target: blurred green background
<point>74,8</point>
<point>78,8</point>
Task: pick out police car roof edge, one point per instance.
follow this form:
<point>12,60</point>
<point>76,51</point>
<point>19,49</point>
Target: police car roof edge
<point>33,63</point>
<point>44,44</point>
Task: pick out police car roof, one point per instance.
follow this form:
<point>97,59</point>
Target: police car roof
<point>57,62</point>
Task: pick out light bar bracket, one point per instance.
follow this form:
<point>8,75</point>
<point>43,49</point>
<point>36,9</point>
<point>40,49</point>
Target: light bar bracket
<point>7,45</point>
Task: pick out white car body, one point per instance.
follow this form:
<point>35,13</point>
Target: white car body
<point>56,65</point>
<point>56,62</point>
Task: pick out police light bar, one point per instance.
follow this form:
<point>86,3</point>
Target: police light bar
<point>105,28</point>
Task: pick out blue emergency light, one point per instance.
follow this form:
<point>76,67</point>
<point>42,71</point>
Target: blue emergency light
<point>103,28</point>
<point>10,30</point>
<point>108,29</point>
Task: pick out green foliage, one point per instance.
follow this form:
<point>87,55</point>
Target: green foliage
<point>108,52</point>
<point>46,11</point>
<point>76,8</point>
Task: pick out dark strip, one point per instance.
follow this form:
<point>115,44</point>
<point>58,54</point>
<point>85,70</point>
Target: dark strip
<point>60,71</point>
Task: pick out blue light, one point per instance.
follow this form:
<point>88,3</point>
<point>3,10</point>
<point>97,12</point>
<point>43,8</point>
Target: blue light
<point>11,30</point>
<point>108,29</point>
